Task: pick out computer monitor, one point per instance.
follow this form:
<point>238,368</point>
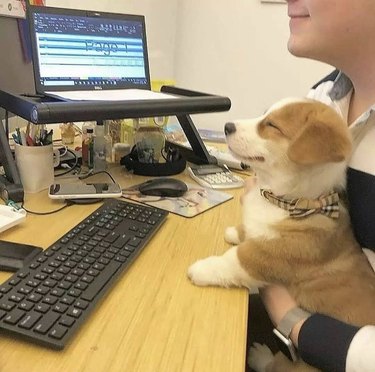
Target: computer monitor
<point>87,50</point>
<point>16,76</point>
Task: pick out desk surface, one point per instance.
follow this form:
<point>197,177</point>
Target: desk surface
<point>153,319</point>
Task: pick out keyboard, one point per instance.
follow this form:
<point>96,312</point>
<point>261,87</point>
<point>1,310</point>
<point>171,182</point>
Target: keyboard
<point>47,301</point>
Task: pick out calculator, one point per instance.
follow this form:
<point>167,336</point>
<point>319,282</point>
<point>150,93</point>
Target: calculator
<point>215,176</point>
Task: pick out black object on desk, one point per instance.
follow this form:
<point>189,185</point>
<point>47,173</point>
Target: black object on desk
<point>47,301</point>
<point>14,256</point>
<point>169,187</point>
<point>10,183</point>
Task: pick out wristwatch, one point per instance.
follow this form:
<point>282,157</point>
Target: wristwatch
<point>284,329</point>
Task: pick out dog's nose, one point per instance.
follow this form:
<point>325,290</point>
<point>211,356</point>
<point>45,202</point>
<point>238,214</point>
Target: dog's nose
<point>229,128</point>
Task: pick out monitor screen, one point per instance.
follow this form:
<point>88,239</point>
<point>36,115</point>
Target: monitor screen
<point>83,50</point>
<point>16,74</point>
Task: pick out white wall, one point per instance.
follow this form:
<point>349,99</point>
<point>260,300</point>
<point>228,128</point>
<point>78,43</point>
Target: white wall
<point>160,26</point>
<point>235,48</point>
<point>238,48</point>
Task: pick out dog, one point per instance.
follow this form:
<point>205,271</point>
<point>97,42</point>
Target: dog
<point>295,231</point>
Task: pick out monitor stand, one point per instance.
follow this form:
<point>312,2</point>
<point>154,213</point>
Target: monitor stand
<point>10,183</point>
<point>198,153</point>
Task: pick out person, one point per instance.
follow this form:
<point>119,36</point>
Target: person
<point>340,33</point>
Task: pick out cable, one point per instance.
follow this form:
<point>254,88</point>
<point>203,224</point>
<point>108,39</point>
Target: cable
<point>95,173</point>
<point>72,167</point>
<point>68,204</point>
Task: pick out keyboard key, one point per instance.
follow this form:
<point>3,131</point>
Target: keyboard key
<point>58,332</point>
<point>100,281</point>
<point>26,305</point>
<point>75,313</point>
<point>46,322</point>
<point>67,321</point>
<point>29,320</point>
<point>14,316</point>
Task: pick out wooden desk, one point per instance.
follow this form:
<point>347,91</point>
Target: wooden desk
<point>153,319</point>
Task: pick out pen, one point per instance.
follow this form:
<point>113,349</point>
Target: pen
<point>19,139</point>
<point>29,141</point>
<point>47,139</point>
<point>28,129</point>
<point>23,138</point>
<point>15,138</point>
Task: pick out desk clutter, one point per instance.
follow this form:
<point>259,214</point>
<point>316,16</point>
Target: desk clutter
<point>195,200</point>
<point>36,165</point>
<point>10,216</point>
<point>34,135</point>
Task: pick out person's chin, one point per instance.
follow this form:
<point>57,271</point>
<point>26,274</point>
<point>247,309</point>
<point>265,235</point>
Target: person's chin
<point>295,48</point>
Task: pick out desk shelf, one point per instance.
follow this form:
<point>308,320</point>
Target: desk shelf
<point>45,110</point>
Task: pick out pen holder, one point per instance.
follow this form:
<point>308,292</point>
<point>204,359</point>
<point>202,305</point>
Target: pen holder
<point>36,166</point>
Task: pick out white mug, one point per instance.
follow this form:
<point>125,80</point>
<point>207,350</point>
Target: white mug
<point>36,166</point>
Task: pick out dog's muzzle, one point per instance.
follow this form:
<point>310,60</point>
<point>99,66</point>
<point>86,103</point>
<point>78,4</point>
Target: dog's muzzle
<point>229,128</point>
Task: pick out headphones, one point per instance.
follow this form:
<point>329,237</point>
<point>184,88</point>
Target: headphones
<point>174,163</point>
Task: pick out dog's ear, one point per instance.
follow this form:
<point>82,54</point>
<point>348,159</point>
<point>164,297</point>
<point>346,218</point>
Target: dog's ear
<point>319,143</point>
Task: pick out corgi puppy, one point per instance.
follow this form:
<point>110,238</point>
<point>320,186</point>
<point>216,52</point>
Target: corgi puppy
<point>295,231</point>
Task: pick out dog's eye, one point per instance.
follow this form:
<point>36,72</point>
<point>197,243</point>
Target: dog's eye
<point>272,125</point>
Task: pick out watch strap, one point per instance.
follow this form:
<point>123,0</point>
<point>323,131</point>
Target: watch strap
<point>290,319</point>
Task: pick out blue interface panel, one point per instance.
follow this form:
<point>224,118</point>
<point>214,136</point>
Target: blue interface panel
<point>88,50</point>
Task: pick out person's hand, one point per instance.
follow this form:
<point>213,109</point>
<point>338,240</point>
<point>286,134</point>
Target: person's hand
<point>278,302</point>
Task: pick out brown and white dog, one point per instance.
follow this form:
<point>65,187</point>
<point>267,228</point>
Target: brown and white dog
<point>299,151</point>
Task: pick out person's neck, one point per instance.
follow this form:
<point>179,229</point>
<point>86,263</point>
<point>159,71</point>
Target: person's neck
<point>363,92</point>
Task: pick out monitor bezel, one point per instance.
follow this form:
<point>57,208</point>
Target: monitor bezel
<point>40,88</point>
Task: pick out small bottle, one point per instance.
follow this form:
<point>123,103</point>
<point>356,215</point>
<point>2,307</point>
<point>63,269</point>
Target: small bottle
<point>108,143</point>
<point>87,149</point>
<point>67,133</point>
<point>149,143</point>
<point>99,148</point>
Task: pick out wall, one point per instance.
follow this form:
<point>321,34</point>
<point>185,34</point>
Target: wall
<point>235,48</point>
<point>238,48</point>
<point>160,26</point>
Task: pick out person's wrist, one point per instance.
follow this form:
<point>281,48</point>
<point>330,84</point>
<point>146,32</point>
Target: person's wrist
<point>277,301</point>
<point>295,331</point>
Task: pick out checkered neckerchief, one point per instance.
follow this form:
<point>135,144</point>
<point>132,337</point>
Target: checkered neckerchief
<point>326,204</point>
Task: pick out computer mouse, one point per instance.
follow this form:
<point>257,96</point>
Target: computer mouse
<point>170,187</point>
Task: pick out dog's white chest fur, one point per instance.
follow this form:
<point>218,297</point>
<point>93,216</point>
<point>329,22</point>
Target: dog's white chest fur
<point>259,215</point>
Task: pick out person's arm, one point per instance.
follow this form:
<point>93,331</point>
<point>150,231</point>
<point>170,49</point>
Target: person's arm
<point>322,342</point>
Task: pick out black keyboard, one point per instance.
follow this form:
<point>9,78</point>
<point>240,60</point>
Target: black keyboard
<point>48,300</point>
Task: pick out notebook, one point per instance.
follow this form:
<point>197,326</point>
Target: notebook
<point>88,53</point>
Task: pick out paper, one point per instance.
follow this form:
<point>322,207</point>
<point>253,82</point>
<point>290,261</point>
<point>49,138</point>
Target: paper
<point>10,217</point>
<point>110,95</point>
<point>195,201</point>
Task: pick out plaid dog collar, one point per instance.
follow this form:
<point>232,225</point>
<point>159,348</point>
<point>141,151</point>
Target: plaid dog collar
<point>302,207</point>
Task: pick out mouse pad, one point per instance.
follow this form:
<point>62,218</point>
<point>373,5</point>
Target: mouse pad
<point>195,201</point>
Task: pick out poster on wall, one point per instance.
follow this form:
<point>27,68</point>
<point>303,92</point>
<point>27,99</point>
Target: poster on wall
<point>12,8</point>
<point>16,8</point>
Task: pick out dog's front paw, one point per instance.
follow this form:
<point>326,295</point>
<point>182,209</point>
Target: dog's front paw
<point>259,357</point>
<point>231,235</point>
<point>205,272</point>
<point>223,271</point>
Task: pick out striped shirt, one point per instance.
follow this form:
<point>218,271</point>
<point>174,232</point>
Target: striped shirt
<point>325,342</point>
